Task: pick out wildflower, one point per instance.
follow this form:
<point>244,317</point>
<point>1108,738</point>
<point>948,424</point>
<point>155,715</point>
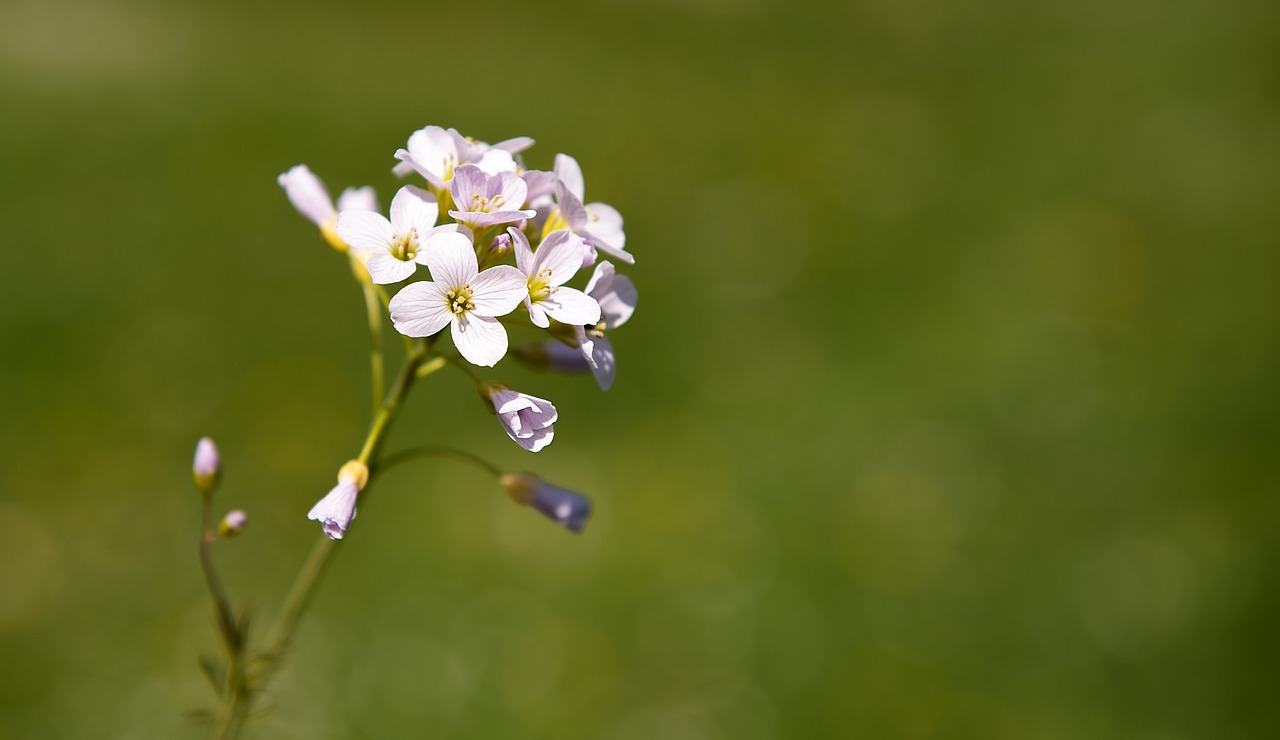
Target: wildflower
<point>309,195</point>
<point>565,507</point>
<point>528,420</point>
<point>434,153</point>
<point>558,257</point>
<point>484,200</point>
<point>461,297</point>
<point>616,295</point>
<point>394,246</point>
<point>338,508</point>
<point>233,523</point>
<point>206,467</point>
<point>599,224</point>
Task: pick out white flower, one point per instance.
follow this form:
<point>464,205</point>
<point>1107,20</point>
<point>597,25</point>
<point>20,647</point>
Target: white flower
<point>616,295</point>
<point>462,298</point>
<point>336,510</point>
<point>558,257</point>
<point>528,420</point>
<point>483,200</point>
<point>394,247</point>
<point>434,153</point>
<point>599,224</point>
<point>309,195</point>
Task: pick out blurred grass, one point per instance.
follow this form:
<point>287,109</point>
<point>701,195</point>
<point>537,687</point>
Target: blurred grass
<point>948,411</point>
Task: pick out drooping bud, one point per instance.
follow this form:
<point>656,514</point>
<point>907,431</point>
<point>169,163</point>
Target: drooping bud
<point>565,507</point>
<point>232,524</point>
<point>206,468</point>
<point>337,509</point>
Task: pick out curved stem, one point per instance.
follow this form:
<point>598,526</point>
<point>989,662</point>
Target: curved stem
<point>413,453</point>
<point>373,308</point>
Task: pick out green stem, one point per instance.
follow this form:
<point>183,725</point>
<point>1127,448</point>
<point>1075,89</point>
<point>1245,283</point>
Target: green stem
<point>413,453</point>
<point>373,307</point>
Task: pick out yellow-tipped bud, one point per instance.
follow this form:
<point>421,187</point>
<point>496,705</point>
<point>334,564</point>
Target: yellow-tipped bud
<point>232,524</point>
<point>354,472</point>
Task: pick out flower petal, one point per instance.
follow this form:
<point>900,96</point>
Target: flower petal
<point>479,339</point>
<point>617,305</point>
<point>307,193</point>
<point>413,208</point>
<point>513,190</point>
<point>359,199</point>
<point>498,290</point>
<point>419,310</point>
<point>384,268</point>
<point>570,174</point>
<point>561,252</point>
<point>524,253</point>
<point>364,230</point>
<point>451,259</point>
<point>497,160</point>
<point>572,307</point>
<point>469,181</point>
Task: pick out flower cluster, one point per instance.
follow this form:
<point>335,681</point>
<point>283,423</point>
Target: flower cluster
<point>503,246</point>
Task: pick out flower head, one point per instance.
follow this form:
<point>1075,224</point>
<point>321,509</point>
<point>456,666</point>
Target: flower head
<point>599,224</point>
<point>461,297</point>
<point>435,153</point>
<point>483,199</point>
<point>557,259</point>
<point>528,420</point>
<point>206,467</point>
<point>565,507</point>
<point>394,246</point>
<point>616,295</point>
<point>337,509</point>
<point>309,195</point>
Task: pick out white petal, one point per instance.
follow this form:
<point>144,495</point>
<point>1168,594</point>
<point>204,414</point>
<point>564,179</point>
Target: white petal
<point>569,306</point>
<point>537,440</point>
<point>307,194</point>
<point>524,254</point>
<point>480,339</point>
<point>498,290</point>
<point>514,191</point>
<point>451,259</point>
<point>364,230</point>
<point>600,280</point>
<point>603,365</point>
<point>605,223</point>
<point>358,199</point>
<point>419,310</point>
<point>570,174</point>
<point>571,208</point>
<point>515,145</point>
<point>497,160</point>
<point>619,302</point>
<point>537,314</point>
<point>413,208</point>
<point>385,269</point>
<point>431,151</point>
<point>560,252</point>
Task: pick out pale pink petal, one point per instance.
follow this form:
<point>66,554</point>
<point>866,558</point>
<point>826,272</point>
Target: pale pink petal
<point>364,230</point>
<point>515,145</point>
<point>468,182</point>
<point>451,259</point>
<point>413,208</point>
<point>524,254</point>
<point>569,306</point>
<point>481,220</point>
<point>307,194</point>
<point>385,269</point>
<point>601,279</point>
<point>432,153</point>
<point>513,191</point>
<point>541,184</point>
<point>604,230</point>
<point>570,205</point>
<point>495,161</point>
<point>560,252</point>
<point>498,290</point>
<point>617,305</point>
<point>336,510</point>
<point>570,174</point>
<point>419,310</point>
<point>358,199</point>
<point>479,339</point>
<point>602,361</point>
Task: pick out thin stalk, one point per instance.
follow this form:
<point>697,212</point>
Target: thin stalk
<point>413,453</point>
<point>373,307</point>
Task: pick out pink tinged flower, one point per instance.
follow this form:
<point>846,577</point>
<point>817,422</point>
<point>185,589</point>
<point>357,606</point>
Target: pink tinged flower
<point>567,508</point>
<point>434,152</point>
<point>616,295</point>
<point>206,466</point>
<point>394,247</point>
<point>552,354</point>
<point>309,195</point>
<point>337,509</point>
<point>528,420</point>
<point>462,298</point>
<point>599,224</point>
<point>558,257</point>
<point>486,200</point>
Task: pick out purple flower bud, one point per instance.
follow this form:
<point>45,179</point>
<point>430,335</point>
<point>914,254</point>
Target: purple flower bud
<point>565,507</point>
<point>206,467</point>
<point>233,523</point>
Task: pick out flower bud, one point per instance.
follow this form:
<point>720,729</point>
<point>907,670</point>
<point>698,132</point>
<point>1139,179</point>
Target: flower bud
<point>206,467</point>
<point>565,507</point>
<point>337,509</point>
<point>232,524</point>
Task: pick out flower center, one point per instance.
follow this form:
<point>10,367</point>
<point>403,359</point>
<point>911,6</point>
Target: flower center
<point>446,167</point>
<point>459,300</point>
<point>539,285</point>
<point>481,204</point>
<point>405,248</point>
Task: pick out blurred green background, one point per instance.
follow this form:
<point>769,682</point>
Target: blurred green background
<point>949,409</point>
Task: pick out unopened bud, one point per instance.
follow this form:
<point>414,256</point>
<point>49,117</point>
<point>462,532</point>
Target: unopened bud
<point>233,523</point>
<point>565,507</point>
<point>206,467</point>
